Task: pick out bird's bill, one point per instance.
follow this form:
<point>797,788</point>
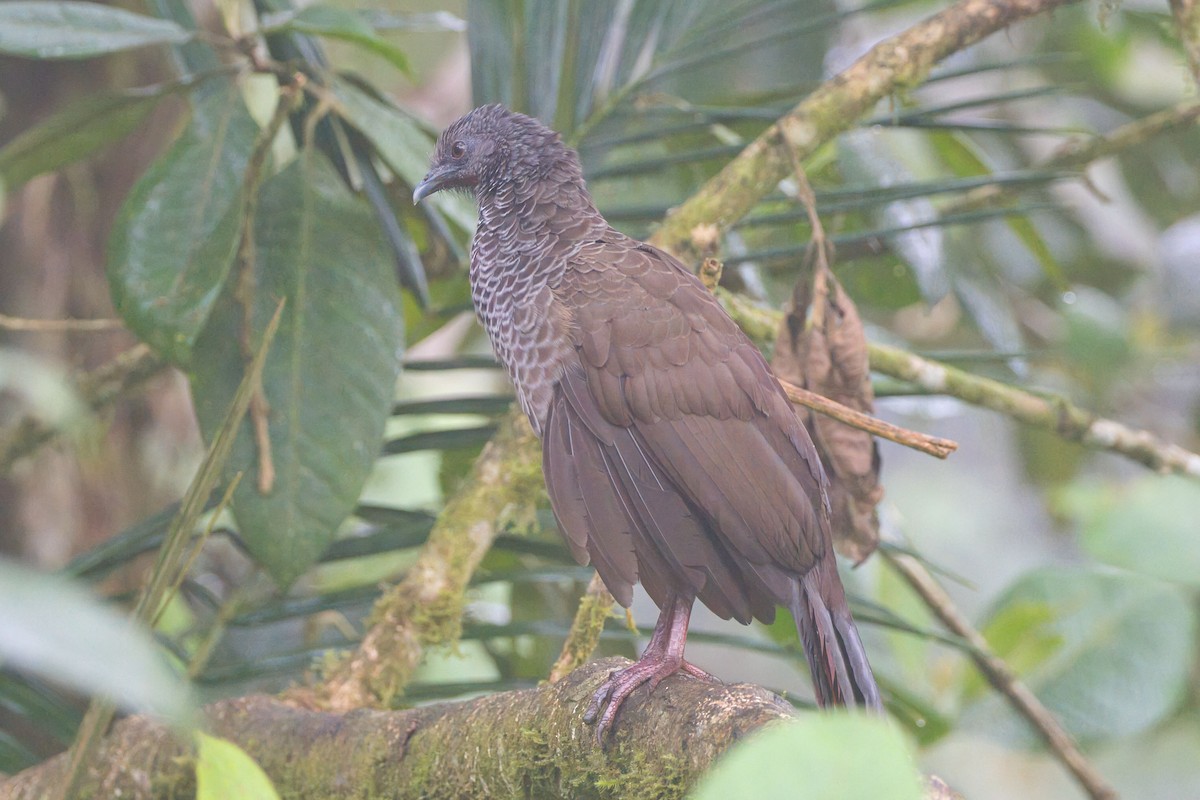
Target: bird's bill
<point>434,181</point>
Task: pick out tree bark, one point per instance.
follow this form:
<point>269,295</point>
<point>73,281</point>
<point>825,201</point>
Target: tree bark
<point>527,743</point>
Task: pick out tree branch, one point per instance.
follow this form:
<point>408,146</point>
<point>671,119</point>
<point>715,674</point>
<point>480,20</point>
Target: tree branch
<point>426,607</point>
<point>898,62</point>
<point>1001,676</point>
<point>1053,413</point>
<point>98,388</point>
<point>529,743</point>
<point>594,608</point>
<point>1080,151</point>
<point>1187,19</point>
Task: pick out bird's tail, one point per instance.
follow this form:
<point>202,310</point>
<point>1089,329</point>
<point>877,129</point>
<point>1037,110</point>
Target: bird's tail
<point>840,672</point>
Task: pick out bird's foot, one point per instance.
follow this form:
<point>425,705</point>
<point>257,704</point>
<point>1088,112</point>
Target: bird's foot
<point>650,668</point>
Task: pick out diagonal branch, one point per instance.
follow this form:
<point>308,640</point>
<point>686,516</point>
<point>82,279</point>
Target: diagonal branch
<point>1001,676</point>
<point>426,607</point>
<point>899,62</point>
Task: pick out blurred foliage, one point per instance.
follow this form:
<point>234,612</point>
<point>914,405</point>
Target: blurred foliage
<point>1080,571</point>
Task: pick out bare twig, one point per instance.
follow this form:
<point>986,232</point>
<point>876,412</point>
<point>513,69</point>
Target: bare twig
<point>99,388</point>
<point>1055,414</point>
<point>1001,676</point>
<point>256,172</point>
<point>58,325</point>
<point>594,608</point>
<point>933,445</point>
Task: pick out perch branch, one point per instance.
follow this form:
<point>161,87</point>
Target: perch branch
<point>528,743</point>
<point>1001,676</point>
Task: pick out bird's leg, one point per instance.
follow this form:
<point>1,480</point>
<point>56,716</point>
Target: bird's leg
<point>662,657</point>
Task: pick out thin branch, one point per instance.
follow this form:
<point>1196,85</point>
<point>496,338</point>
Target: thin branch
<point>594,608</point>
<point>99,388</point>
<point>1050,412</point>
<point>1187,19</point>
<point>256,172</point>
<point>896,63</point>
<point>933,445</point>
<point>1001,676</point>
<point>25,324</point>
<point>1077,153</point>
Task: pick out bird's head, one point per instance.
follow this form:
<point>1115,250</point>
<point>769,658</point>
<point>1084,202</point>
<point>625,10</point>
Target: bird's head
<point>488,147</point>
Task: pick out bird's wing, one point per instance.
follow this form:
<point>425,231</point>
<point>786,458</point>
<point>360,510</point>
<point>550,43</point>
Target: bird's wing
<point>660,360</point>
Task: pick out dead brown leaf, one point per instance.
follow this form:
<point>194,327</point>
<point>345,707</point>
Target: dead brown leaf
<point>830,358</point>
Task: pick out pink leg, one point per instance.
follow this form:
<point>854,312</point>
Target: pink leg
<point>662,657</point>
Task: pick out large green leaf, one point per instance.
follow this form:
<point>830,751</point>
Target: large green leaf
<point>176,236</point>
<point>337,23</point>
<point>1148,526</point>
<point>817,757</point>
<point>330,374</point>
<point>75,133</point>
<point>53,628</point>
<point>1124,649</point>
<point>79,30</point>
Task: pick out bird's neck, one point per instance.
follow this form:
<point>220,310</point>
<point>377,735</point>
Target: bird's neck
<point>550,207</point>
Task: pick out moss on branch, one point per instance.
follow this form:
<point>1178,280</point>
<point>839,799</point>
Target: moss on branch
<point>529,743</point>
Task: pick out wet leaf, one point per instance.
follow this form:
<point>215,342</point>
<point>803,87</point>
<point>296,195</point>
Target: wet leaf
<point>817,757</point>
<point>1110,652</point>
<point>79,30</point>
<point>321,249</point>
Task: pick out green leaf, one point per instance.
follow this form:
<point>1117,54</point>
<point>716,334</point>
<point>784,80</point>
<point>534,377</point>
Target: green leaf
<point>1148,526</point>
<point>75,133</point>
<point>79,30</point>
<point>321,249</point>
<point>838,756</point>
<point>177,234</point>
<point>401,143</point>
<point>224,770</point>
<point>338,23</point>
<point>55,629</point>
<point>1121,665</point>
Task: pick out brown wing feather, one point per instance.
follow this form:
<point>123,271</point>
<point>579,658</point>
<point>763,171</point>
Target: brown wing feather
<point>701,401</point>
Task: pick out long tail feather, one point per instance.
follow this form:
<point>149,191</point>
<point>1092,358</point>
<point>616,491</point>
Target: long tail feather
<point>840,671</point>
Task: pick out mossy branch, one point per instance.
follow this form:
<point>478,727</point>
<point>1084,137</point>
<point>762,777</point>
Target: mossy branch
<point>1187,20</point>
<point>1050,412</point>
<point>529,743</point>
<point>1081,151</point>
<point>426,607</point>
<point>899,62</point>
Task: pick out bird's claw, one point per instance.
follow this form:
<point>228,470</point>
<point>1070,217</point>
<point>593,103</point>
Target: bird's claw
<point>621,683</point>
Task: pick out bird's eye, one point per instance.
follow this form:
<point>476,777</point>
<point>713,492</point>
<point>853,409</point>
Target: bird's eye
<point>458,149</point>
